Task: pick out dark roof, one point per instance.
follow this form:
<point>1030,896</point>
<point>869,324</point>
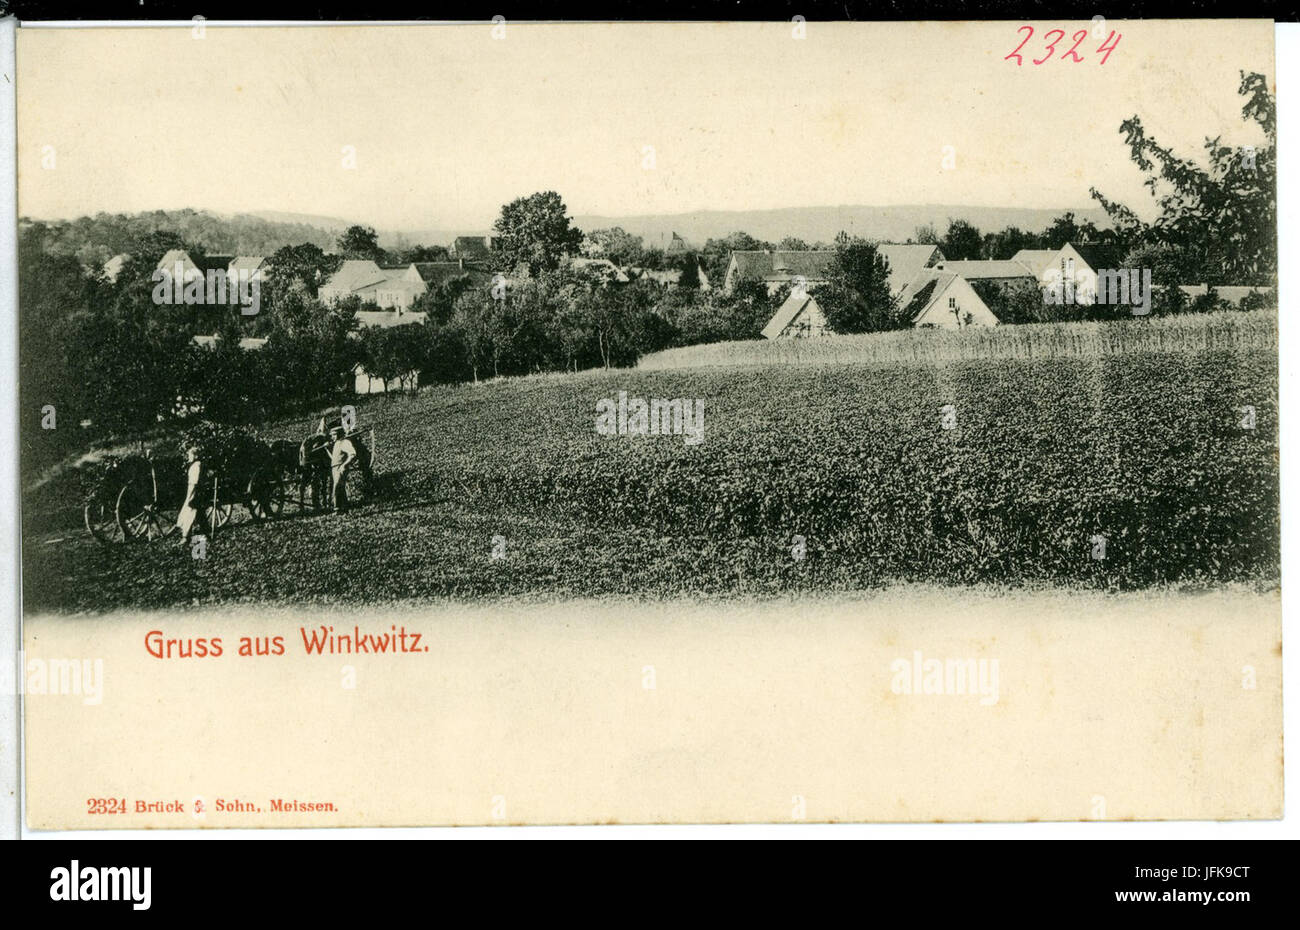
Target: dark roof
<point>780,263</point>
<point>1099,255</point>
<point>920,300</point>
<point>436,274</point>
<point>213,262</point>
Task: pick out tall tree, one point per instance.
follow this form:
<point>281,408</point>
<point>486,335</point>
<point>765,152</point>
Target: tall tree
<point>535,232</point>
<point>360,242</point>
<point>961,241</point>
<point>856,297</point>
<point>1065,228</point>
<point>1003,245</point>
<point>616,244</point>
<point>1222,214</point>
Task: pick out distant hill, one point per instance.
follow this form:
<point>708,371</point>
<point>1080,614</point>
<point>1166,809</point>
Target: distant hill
<point>821,224</point>
<point>95,239</point>
<point>330,223</point>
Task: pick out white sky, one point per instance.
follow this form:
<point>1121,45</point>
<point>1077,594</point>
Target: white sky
<point>449,123</point>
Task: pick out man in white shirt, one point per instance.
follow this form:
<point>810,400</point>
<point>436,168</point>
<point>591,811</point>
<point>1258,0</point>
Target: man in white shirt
<point>343,454</point>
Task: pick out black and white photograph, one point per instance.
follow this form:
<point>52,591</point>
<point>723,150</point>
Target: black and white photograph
<point>661,422</point>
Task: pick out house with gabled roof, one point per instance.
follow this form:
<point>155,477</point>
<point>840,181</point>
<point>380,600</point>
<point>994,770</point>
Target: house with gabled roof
<point>353,278</point>
<point>946,300</point>
<point>251,267</point>
<point>1073,267</point>
<point>799,317</point>
<point>906,261</point>
<point>603,267</point>
<point>812,267</point>
<point>1037,260</point>
<point>988,269</point>
<point>179,258</point>
<point>777,267</point>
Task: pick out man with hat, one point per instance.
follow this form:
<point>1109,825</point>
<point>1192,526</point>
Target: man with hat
<point>342,456</point>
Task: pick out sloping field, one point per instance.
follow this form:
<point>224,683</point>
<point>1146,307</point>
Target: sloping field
<point>1192,332</point>
<point>1116,471</point>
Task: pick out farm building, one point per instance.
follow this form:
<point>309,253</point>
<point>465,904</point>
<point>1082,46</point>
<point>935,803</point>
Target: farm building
<point>354,277</point>
<point>777,267</point>
<point>948,301</point>
<point>393,288</point>
<point>253,267</point>
<point>906,262</point>
<point>1074,266</point>
<point>191,268</point>
<point>1003,271</point>
<point>602,266</point>
<point>798,318</point>
<point>668,277</point>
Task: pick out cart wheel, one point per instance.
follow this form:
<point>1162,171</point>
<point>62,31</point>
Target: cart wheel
<point>265,496</point>
<point>136,514</point>
<point>101,520</point>
<point>222,514</point>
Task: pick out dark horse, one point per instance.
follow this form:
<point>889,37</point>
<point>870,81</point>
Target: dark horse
<point>312,466</point>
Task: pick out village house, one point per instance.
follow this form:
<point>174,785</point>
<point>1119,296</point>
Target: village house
<point>948,301</point>
<point>1071,269</point>
<point>251,267</point>
<point>393,288</point>
<point>776,267</point>
<point>799,317</point>
<point>602,266</point>
<point>354,277</point>
<point>192,268</point>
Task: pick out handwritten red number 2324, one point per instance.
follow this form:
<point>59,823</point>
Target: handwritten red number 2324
<point>1108,46</point>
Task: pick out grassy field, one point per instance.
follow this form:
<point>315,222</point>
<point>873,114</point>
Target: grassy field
<point>1192,332</point>
<point>1108,472</point>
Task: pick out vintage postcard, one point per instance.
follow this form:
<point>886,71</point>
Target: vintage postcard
<point>520,423</point>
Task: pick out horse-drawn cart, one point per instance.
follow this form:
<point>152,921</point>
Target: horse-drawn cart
<point>139,496</point>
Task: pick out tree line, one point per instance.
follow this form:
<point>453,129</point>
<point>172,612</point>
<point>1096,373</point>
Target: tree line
<point>109,361</point>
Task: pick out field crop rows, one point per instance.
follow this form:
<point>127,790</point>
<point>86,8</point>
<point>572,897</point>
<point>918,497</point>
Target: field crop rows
<point>1108,472</point>
<point>1190,332</point>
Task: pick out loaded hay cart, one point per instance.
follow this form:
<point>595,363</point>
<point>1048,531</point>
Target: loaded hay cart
<point>138,497</point>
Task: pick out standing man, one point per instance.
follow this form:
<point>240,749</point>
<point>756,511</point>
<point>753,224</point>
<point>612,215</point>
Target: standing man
<point>342,456</point>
